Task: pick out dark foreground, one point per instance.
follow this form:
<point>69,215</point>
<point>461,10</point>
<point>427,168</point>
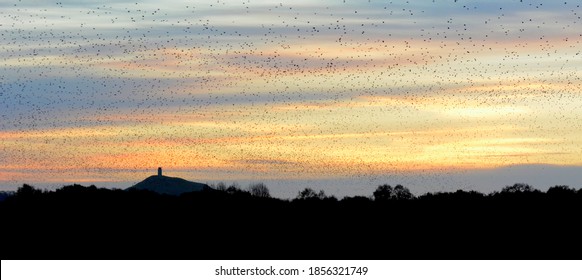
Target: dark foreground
<point>78,222</point>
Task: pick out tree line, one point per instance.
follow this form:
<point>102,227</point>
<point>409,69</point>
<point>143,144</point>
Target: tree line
<point>231,222</point>
<point>383,193</point>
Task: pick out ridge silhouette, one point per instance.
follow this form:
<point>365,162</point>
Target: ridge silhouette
<point>168,185</point>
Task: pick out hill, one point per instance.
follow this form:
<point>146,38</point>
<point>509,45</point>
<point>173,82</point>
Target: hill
<point>4,195</point>
<point>168,185</point>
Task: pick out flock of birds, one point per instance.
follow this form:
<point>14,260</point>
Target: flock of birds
<point>141,71</point>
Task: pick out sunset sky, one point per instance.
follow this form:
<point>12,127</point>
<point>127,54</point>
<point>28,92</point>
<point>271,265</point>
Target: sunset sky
<point>104,92</point>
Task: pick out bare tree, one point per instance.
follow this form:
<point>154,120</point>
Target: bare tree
<point>309,193</point>
<point>221,187</point>
<point>259,190</point>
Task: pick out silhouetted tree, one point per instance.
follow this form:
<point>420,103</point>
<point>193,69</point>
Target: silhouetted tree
<point>386,192</point>
<point>518,188</point>
<point>561,191</point>
<point>309,193</point>
<point>77,189</point>
<point>259,190</point>
<point>221,187</point>
<point>401,193</point>
<point>27,191</point>
<point>383,192</point>
<point>235,189</point>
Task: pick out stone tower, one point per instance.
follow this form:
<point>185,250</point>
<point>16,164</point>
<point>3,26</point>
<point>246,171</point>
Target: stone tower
<point>159,172</point>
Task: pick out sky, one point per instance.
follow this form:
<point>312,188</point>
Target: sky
<point>421,92</point>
